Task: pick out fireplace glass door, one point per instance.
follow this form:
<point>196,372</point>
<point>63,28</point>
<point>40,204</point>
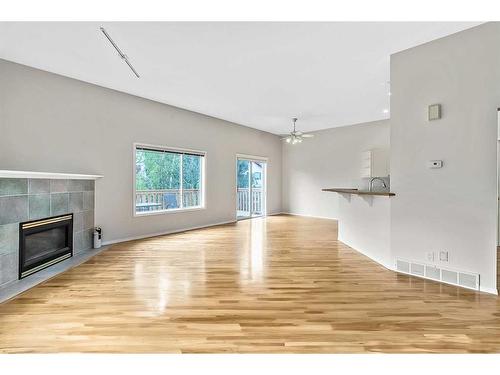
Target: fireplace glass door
<point>44,242</point>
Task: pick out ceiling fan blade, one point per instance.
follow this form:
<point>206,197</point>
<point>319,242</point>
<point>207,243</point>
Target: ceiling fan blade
<point>307,135</point>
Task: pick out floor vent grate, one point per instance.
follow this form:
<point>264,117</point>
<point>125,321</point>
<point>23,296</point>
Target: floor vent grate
<point>433,272</point>
<point>460,278</point>
<point>403,266</point>
<point>417,269</point>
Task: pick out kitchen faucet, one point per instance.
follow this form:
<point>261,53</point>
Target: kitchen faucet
<point>374,179</point>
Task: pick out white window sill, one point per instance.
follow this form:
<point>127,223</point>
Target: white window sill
<point>171,211</point>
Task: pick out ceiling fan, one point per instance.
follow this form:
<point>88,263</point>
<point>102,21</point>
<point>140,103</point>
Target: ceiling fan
<point>295,136</point>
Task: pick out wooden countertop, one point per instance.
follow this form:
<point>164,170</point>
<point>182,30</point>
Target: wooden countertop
<point>360,192</point>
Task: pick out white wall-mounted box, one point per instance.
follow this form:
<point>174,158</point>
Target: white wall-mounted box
<point>434,112</point>
<point>366,164</point>
<point>375,163</point>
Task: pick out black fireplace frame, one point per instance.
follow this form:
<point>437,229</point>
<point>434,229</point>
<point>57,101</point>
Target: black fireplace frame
<point>35,226</point>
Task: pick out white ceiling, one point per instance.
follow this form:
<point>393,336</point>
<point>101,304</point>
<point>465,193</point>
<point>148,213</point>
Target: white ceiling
<point>256,74</point>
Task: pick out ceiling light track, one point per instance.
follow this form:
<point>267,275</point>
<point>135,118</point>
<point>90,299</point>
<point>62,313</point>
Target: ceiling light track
<point>122,55</point>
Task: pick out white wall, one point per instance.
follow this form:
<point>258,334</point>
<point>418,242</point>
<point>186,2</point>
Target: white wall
<point>453,208</point>
<point>331,159</point>
<point>364,225</point>
<point>57,124</point>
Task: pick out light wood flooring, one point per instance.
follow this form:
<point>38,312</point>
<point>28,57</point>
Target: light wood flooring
<point>282,284</point>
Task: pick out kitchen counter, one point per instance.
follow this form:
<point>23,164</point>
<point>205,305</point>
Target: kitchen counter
<point>359,192</point>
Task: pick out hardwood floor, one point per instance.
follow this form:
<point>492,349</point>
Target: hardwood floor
<point>275,285</point>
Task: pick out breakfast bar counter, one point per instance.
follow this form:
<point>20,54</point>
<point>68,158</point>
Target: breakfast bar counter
<point>359,192</point>
<point>364,222</point>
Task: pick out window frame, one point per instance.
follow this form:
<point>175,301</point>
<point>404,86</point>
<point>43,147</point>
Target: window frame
<point>178,150</point>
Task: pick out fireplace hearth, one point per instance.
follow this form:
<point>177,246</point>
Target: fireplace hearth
<point>44,242</point>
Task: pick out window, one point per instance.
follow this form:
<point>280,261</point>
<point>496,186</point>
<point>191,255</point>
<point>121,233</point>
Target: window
<point>167,179</point>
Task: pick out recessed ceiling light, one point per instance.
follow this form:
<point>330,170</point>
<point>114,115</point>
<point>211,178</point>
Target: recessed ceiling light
<point>385,111</point>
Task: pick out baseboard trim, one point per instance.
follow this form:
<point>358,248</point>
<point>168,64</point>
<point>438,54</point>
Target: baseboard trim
<point>489,291</point>
<point>391,267</point>
<point>163,233</point>
<point>311,216</point>
<point>378,261</point>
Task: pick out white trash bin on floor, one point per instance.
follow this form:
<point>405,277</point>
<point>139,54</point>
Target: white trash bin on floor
<point>97,237</point>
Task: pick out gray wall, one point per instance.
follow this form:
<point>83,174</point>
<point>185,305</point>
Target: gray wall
<point>331,159</point>
<point>56,124</point>
<point>453,208</point>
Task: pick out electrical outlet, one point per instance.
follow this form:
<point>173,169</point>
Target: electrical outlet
<point>430,256</point>
<point>443,256</point>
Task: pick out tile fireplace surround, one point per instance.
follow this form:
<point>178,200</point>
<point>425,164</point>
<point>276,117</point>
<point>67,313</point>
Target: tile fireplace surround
<point>23,199</point>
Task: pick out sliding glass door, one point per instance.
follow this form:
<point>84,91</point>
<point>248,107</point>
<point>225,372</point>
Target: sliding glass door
<point>250,188</point>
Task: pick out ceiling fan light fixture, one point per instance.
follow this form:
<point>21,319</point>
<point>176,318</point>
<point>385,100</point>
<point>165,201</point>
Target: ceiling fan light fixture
<point>296,136</point>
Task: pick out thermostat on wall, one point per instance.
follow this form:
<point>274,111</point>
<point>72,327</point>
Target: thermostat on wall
<point>435,164</point>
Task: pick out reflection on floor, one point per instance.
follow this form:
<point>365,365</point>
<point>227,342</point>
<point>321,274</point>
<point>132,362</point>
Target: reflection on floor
<point>279,284</point>
<point>241,215</point>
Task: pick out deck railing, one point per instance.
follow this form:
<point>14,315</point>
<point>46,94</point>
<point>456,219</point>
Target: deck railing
<point>154,200</point>
<point>245,204</point>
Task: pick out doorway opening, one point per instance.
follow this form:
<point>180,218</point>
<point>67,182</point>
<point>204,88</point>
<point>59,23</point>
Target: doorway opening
<point>250,187</point>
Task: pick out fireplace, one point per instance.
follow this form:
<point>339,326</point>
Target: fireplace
<point>44,242</point>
